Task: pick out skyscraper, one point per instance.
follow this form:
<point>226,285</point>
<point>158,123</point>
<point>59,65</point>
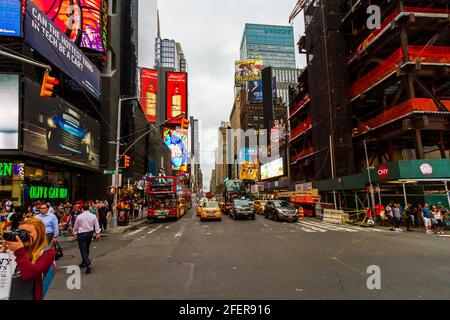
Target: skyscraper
<point>169,54</point>
<point>275,45</point>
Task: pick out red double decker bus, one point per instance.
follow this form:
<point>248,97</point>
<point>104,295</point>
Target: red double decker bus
<point>168,198</point>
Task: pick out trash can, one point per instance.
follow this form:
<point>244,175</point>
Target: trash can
<point>123,218</point>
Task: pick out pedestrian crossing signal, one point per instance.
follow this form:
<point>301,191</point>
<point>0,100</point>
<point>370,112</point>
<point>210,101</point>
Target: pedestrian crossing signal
<point>127,161</point>
<point>185,124</point>
<point>48,86</point>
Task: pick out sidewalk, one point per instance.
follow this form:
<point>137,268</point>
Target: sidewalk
<point>133,224</point>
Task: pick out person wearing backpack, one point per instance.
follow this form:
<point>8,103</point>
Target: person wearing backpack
<point>35,262</point>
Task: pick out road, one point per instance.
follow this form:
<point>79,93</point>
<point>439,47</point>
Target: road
<point>258,260</point>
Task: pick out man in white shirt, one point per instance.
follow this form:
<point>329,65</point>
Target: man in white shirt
<point>86,225</point>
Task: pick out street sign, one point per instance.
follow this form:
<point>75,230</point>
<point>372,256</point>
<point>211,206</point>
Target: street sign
<point>109,172</point>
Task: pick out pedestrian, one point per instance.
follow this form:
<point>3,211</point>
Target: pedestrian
<point>426,217</point>
<point>397,217</point>
<point>29,213</point>
<point>418,216</point>
<point>410,217</point>
<point>379,209</point>
<point>8,205</point>
<point>3,218</point>
<point>33,257</point>
<point>50,222</point>
<point>438,219</point>
<point>390,214</point>
<point>103,216</point>
<point>85,227</point>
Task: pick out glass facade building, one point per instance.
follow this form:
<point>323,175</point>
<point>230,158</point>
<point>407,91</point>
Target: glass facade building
<point>274,44</point>
<point>169,54</point>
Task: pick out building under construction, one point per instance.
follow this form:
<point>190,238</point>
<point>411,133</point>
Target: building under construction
<point>378,81</point>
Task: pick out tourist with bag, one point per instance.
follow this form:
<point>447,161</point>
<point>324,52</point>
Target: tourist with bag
<point>31,262</point>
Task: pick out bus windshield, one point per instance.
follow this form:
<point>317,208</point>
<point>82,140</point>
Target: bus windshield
<point>162,201</point>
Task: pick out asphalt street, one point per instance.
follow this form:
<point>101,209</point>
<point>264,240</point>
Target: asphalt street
<point>258,260</point>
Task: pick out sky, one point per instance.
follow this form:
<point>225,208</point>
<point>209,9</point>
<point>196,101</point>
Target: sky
<point>210,32</point>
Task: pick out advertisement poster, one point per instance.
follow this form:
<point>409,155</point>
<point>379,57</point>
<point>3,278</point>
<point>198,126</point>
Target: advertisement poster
<point>42,35</point>
<point>54,128</point>
<point>9,109</point>
<point>176,95</point>
<point>248,164</point>
<point>278,133</point>
<point>10,18</point>
<point>248,70</point>
<point>255,90</point>
<point>82,21</point>
<point>149,93</point>
<point>177,142</point>
<point>272,170</point>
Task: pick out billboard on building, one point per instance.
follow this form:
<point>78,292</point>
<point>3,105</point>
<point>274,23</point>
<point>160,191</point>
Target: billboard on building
<point>278,133</point>
<point>9,109</point>
<point>10,18</point>
<point>42,35</point>
<point>255,90</point>
<point>83,21</point>
<point>272,169</point>
<point>176,89</point>
<point>177,142</point>
<point>54,128</point>
<point>248,70</point>
<point>248,164</point>
<point>149,93</point>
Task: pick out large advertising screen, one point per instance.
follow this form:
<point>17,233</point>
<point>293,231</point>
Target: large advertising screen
<point>278,133</point>
<point>248,70</point>
<point>177,142</point>
<point>255,90</point>
<point>248,164</point>
<point>9,110</point>
<point>176,95</point>
<point>149,93</point>
<point>42,35</point>
<point>272,169</point>
<point>82,21</point>
<point>54,128</point>
<point>10,18</point>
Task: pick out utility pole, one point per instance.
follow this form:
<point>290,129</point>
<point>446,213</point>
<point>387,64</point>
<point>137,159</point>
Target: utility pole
<point>372,194</point>
<point>119,156</point>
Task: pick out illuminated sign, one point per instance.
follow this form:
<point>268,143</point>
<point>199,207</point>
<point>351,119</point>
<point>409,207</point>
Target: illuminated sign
<point>272,170</point>
<point>249,70</point>
<point>177,142</point>
<point>176,95</point>
<point>10,18</point>
<point>248,164</point>
<point>5,169</point>
<point>149,93</point>
<point>40,192</point>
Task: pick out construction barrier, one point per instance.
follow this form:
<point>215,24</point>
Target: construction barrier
<point>335,216</point>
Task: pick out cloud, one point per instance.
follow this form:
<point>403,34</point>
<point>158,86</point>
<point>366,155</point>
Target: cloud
<point>210,33</point>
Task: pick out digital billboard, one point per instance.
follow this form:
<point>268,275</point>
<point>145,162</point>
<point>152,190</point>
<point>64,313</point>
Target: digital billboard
<point>9,109</point>
<point>54,128</point>
<point>248,164</point>
<point>82,21</point>
<point>278,133</point>
<point>272,169</point>
<point>255,90</point>
<point>10,18</point>
<point>176,95</point>
<point>177,142</point>
<point>248,70</point>
<point>149,93</point>
<point>42,35</point>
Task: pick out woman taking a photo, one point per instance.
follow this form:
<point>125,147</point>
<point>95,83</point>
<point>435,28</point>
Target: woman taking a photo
<point>33,258</point>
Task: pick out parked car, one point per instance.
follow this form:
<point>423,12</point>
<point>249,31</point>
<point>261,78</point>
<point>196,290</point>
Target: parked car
<point>210,211</point>
<point>259,206</point>
<point>241,208</point>
<point>280,210</point>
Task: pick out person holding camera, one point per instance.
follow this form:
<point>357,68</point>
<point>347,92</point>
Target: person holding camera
<point>50,222</point>
<point>33,258</point>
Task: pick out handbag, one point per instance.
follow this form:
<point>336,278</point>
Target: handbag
<point>59,251</point>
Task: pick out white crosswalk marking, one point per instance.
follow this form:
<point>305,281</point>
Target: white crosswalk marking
<point>154,230</point>
<point>316,226</point>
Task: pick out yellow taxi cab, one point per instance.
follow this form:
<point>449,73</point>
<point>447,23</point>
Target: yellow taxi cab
<point>259,206</point>
<point>210,211</point>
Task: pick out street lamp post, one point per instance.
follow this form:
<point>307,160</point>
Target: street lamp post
<point>372,194</point>
<point>119,156</point>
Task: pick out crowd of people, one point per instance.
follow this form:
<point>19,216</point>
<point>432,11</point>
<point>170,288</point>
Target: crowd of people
<point>434,218</point>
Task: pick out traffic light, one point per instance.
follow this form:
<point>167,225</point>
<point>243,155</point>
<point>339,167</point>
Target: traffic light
<point>48,86</point>
<point>127,161</point>
<point>185,124</point>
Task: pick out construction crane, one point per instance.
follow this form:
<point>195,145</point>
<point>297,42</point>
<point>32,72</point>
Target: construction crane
<point>298,8</point>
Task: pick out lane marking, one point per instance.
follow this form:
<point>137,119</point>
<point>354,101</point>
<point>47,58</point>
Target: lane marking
<point>312,227</point>
<point>308,230</point>
<point>330,227</point>
<point>154,230</point>
<point>179,234</point>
